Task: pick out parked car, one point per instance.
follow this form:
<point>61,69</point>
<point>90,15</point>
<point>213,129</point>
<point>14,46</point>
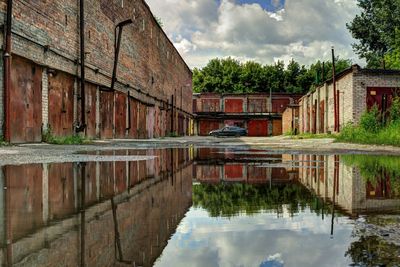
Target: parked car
<point>229,131</point>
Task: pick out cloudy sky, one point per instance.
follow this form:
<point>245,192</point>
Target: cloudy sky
<point>260,30</point>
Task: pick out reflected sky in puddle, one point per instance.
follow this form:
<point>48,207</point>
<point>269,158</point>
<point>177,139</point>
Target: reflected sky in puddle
<point>202,207</point>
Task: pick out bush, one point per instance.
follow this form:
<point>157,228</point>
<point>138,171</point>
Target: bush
<point>395,110</point>
<point>371,120</point>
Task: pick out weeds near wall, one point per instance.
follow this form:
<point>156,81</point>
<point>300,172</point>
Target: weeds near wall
<point>49,138</point>
<point>373,130</point>
<point>2,142</point>
<point>173,134</point>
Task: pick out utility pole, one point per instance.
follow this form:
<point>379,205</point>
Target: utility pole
<point>334,89</point>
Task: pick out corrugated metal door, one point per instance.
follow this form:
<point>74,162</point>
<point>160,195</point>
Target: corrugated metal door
<point>120,115</point>
<point>61,103</point>
<point>106,114</point>
<point>25,102</point>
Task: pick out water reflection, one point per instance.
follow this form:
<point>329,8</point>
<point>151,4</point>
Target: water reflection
<point>202,207</point>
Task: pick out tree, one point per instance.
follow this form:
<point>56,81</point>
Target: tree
<point>376,29</point>
<point>230,76</point>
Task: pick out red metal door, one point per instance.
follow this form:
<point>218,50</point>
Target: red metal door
<point>142,124</point>
<point>106,180</point>
<point>24,189</point>
<point>210,105</point>
<point>106,114</point>
<point>61,103</point>
<point>133,132</point>
<point>257,105</point>
<point>120,115</point>
<point>256,174</point>
<point>257,128</point>
<point>25,101</point>
<point>90,183</point>
<point>322,116</point>
<point>91,98</point>
<point>277,127</point>
<point>234,172</point>
<point>233,105</point>
<point>61,190</point>
<point>207,126</point>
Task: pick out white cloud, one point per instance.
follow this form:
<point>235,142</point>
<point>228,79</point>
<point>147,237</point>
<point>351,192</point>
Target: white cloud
<point>304,29</point>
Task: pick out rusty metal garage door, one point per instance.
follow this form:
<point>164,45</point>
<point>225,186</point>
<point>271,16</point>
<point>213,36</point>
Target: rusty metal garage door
<point>61,103</point>
<point>91,98</point>
<point>120,115</point>
<point>25,101</point>
<point>133,117</point>
<point>106,114</point>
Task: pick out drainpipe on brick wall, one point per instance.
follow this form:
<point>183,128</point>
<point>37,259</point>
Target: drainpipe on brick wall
<point>129,112</point>
<point>82,126</point>
<point>7,72</point>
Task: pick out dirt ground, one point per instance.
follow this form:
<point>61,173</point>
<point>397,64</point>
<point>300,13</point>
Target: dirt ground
<point>44,153</point>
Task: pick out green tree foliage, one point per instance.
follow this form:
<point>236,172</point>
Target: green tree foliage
<point>377,31</point>
<point>229,200</point>
<point>230,76</point>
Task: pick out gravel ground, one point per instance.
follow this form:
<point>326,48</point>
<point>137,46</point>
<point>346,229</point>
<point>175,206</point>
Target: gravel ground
<point>44,153</point>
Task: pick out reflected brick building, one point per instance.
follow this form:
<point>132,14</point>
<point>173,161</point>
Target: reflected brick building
<point>256,112</point>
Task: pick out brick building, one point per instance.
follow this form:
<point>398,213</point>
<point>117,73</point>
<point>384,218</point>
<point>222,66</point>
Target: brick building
<point>256,112</point>
<point>152,85</point>
<point>357,90</point>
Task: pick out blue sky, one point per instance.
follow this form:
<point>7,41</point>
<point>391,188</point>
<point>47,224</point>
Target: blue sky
<point>269,5</point>
<point>261,30</point>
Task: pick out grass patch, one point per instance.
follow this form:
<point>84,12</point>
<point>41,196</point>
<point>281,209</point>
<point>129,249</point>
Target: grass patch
<point>389,135</point>
<point>312,136</point>
<point>49,138</point>
<point>173,134</point>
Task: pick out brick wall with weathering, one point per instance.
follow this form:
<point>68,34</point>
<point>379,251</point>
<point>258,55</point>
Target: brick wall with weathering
<point>358,89</point>
<point>45,42</point>
<point>252,111</point>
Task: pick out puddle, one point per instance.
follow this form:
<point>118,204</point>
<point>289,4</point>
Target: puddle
<point>202,207</point>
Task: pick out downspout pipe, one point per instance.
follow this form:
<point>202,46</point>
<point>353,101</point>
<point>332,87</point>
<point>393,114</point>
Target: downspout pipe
<point>81,127</point>
<point>7,72</point>
<point>117,47</point>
